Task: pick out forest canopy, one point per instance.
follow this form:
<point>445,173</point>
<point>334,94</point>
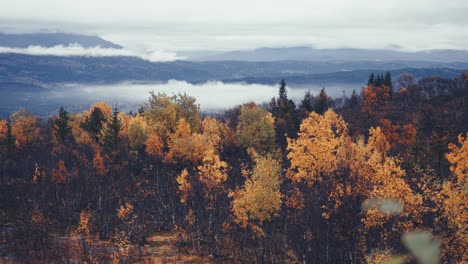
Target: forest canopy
<point>352,179</point>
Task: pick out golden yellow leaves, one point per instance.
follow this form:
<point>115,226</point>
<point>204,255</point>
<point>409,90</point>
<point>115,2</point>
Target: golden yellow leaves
<point>212,129</point>
<point>137,131</point>
<point>455,205</point>
<point>377,145</point>
<point>458,157</point>
<point>387,180</point>
<point>184,185</point>
<point>125,211</point>
<point>260,199</point>
<point>24,128</point>
<point>185,146</point>
<point>213,171</point>
<point>319,149</point>
<point>84,227</point>
<point>202,149</point>
<point>341,172</point>
<point>3,128</point>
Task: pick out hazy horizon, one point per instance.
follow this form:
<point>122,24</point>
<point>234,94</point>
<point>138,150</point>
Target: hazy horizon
<point>145,26</point>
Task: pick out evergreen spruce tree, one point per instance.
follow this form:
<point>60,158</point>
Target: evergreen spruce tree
<point>354,100</point>
<point>388,79</point>
<point>10,140</point>
<point>371,80</point>
<point>110,134</point>
<point>321,103</point>
<point>379,80</point>
<point>93,123</point>
<point>281,106</point>
<point>282,91</point>
<point>388,82</point>
<point>284,111</point>
<point>306,106</point>
<point>62,127</point>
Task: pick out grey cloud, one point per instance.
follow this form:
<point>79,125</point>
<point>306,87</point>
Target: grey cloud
<point>225,25</point>
<point>77,50</point>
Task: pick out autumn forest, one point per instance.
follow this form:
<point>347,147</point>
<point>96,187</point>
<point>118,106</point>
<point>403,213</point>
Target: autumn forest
<point>379,175</point>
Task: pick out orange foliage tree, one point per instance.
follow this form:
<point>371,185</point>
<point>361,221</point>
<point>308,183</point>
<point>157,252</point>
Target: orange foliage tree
<point>60,173</point>
<point>455,202</point>
<point>99,162</point>
<point>3,128</point>
<point>339,175</point>
<point>24,128</point>
<point>399,136</point>
<point>387,180</point>
<point>185,146</point>
<point>201,150</point>
<point>374,98</point>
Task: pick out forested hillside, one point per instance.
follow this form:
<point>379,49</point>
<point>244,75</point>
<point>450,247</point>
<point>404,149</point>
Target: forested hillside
<point>380,175</point>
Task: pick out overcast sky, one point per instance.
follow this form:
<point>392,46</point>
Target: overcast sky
<point>177,25</point>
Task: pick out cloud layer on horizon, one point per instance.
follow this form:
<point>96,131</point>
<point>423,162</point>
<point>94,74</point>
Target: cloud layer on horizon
<point>78,50</point>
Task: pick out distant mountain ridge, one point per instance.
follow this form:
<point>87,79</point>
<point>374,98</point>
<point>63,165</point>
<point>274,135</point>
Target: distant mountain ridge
<point>27,80</point>
<point>341,54</point>
<point>350,77</point>
<point>40,70</point>
<point>53,39</point>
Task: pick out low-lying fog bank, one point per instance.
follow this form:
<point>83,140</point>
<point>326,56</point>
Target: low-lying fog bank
<point>211,96</point>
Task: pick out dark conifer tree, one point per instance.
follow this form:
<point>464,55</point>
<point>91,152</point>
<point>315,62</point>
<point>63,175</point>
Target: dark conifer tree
<point>354,100</point>
<point>321,103</point>
<point>284,111</point>
<point>110,134</point>
<point>306,106</point>
<point>282,90</point>
<point>388,79</point>
<point>371,80</point>
<point>282,107</point>
<point>379,80</point>
<point>273,106</point>
<point>93,123</point>
<point>62,127</point>
<point>388,82</point>
<point>10,140</point>
<point>141,109</point>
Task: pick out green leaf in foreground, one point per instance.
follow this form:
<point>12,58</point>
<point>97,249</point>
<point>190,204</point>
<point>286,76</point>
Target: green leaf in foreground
<point>387,206</point>
<point>423,247</point>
